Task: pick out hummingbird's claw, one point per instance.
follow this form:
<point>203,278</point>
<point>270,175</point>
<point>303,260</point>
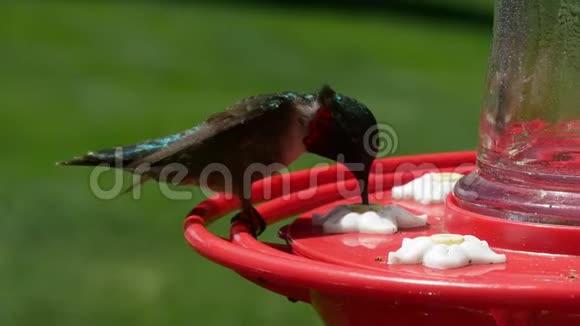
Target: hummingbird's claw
<point>253,219</point>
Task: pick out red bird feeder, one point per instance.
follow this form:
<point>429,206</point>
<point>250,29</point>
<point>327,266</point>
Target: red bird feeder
<point>521,194</point>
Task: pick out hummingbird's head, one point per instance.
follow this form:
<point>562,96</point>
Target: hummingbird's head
<point>343,130</point>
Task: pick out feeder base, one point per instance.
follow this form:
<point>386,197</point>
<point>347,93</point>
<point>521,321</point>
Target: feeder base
<point>356,311</point>
<point>347,280</point>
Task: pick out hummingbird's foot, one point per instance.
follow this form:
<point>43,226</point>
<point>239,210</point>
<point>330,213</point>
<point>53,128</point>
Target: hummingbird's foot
<point>253,218</point>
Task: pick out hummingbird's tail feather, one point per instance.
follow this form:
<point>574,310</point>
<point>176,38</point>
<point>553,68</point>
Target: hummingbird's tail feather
<point>85,160</point>
<point>128,157</point>
<point>113,157</point>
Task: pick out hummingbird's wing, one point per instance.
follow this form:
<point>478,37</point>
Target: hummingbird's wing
<point>153,151</point>
<point>242,112</point>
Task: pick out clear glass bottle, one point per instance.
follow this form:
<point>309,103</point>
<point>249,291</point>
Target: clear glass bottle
<point>528,166</point>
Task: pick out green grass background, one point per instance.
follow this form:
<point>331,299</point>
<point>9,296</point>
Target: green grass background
<point>77,76</point>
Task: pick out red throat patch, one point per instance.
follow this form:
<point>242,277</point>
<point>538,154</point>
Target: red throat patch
<point>318,125</point>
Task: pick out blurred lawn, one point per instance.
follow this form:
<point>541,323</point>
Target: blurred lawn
<point>77,77</point>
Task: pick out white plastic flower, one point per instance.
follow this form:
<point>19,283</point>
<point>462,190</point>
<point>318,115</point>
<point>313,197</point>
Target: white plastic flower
<point>444,251</point>
<point>429,188</point>
<point>371,219</point>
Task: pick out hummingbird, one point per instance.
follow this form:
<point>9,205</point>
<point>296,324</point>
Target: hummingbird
<point>270,131</point>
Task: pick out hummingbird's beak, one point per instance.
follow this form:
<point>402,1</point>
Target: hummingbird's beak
<point>364,190</point>
<point>363,183</point>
